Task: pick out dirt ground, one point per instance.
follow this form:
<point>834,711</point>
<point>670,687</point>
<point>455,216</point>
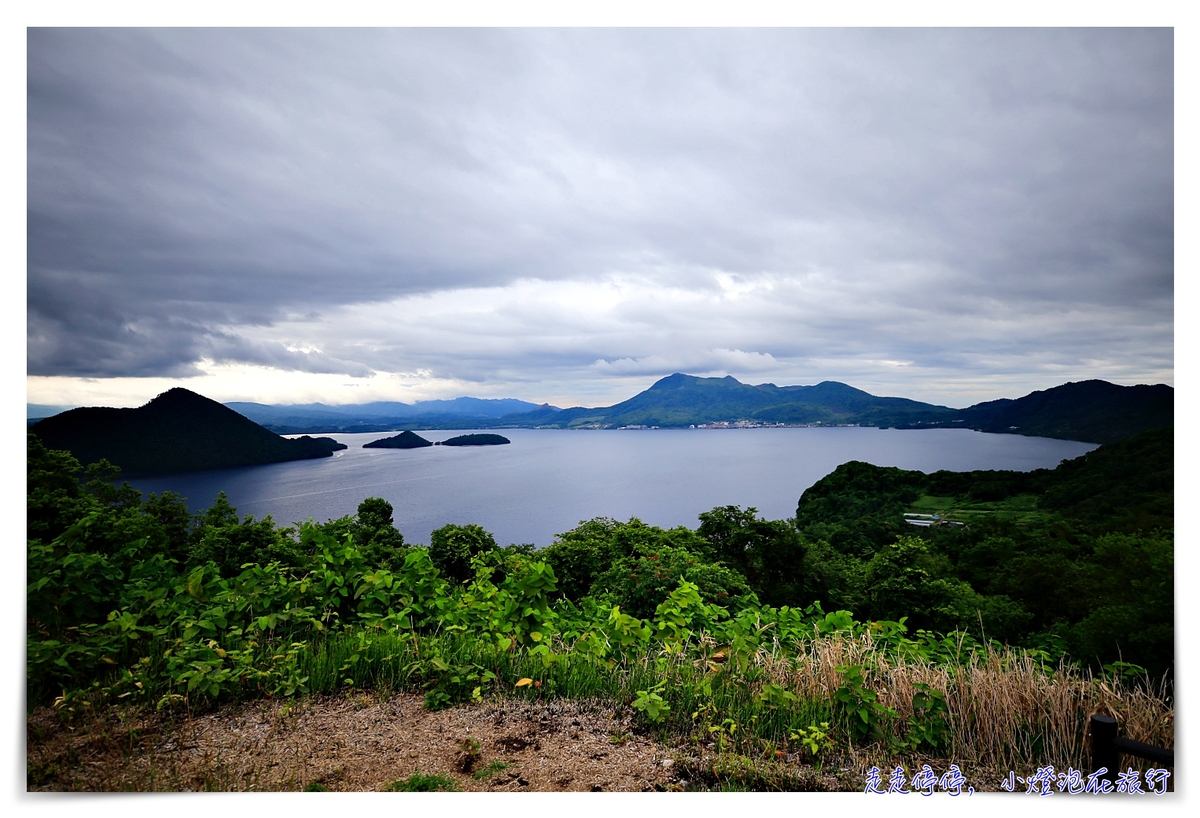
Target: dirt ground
<point>366,742</point>
<point>359,743</point>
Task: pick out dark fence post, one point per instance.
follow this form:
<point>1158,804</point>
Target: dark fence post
<point>1104,752</point>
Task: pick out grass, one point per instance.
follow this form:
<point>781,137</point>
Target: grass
<point>731,772</point>
<point>423,783</point>
<point>490,770</point>
<point>1020,508</point>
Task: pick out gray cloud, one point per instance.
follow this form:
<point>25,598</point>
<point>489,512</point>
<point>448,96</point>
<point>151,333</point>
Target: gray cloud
<point>967,201</point>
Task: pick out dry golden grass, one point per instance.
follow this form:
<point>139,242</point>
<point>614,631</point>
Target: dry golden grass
<point>1005,709</point>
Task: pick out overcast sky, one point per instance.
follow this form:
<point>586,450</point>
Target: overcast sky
<point>569,215</point>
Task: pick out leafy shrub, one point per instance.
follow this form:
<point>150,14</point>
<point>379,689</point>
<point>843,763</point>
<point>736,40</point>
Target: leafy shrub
<point>906,579</point>
<point>373,533</point>
<point>452,548</point>
<point>860,707</point>
<point>639,584</point>
<point>229,544</point>
<point>581,555</point>
<point>815,738</point>
<point>651,703</point>
<point>927,728</point>
<point>769,553</point>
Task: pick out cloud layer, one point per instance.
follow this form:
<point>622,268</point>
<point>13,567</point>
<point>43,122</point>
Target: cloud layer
<point>569,214</point>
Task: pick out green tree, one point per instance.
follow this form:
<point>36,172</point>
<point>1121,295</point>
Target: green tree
<point>905,579</point>
<point>769,553</point>
<point>221,538</point>
<point>451,548</point>
<point>581,555</point>
<point>376,536</point>
<point>54,497</point>
<point>1130,596</point>
<point>641,582</point>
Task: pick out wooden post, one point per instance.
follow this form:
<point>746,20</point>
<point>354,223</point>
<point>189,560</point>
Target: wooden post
<point>1104,752</point>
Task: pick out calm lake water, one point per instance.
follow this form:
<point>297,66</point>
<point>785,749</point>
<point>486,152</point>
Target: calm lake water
<point>547,481</point>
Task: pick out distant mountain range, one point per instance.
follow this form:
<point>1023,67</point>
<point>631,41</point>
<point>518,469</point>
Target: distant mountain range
<point>185,435</point>
<point>37,411</point>
<point>179,431</point>
<point>685,400</point>
<point>384,416</point>
<point>1092,411</point>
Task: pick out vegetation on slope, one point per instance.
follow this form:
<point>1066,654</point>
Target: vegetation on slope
<point>1086,565</point>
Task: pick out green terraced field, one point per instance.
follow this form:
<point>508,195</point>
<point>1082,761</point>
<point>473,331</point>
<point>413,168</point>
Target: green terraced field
<point>1021,508</point>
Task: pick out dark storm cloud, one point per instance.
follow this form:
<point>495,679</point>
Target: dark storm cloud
<point>192,190</point>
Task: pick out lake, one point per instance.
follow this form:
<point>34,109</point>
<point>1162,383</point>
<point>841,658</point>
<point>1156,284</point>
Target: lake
<point>546,481</point>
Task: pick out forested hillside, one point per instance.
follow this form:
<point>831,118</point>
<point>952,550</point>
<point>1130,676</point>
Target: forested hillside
<point>178,431</point>
<point>1094,411</point>
<point>1077,558</point>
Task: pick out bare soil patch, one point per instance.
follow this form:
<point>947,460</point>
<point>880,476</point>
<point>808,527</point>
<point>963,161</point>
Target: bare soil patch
<point>365,742</point>
<point>359,743</point>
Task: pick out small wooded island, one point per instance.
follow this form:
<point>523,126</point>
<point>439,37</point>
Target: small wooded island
<point>404,440</point>
<point>412,440</point>
<point>476,440</point>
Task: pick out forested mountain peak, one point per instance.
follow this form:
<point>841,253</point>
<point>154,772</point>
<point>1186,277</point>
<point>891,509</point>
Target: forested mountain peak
<point>177,431</point>
<point>1094,411</point>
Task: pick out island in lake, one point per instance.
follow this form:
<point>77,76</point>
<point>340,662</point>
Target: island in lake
<point>404,440</point>
<point>476,440</point>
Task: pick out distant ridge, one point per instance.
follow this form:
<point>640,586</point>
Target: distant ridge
<point>684,400</point>
<point>178,431</point>
<point>1091,411</point>
<point>383,416</point>
<point>36,411</point>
